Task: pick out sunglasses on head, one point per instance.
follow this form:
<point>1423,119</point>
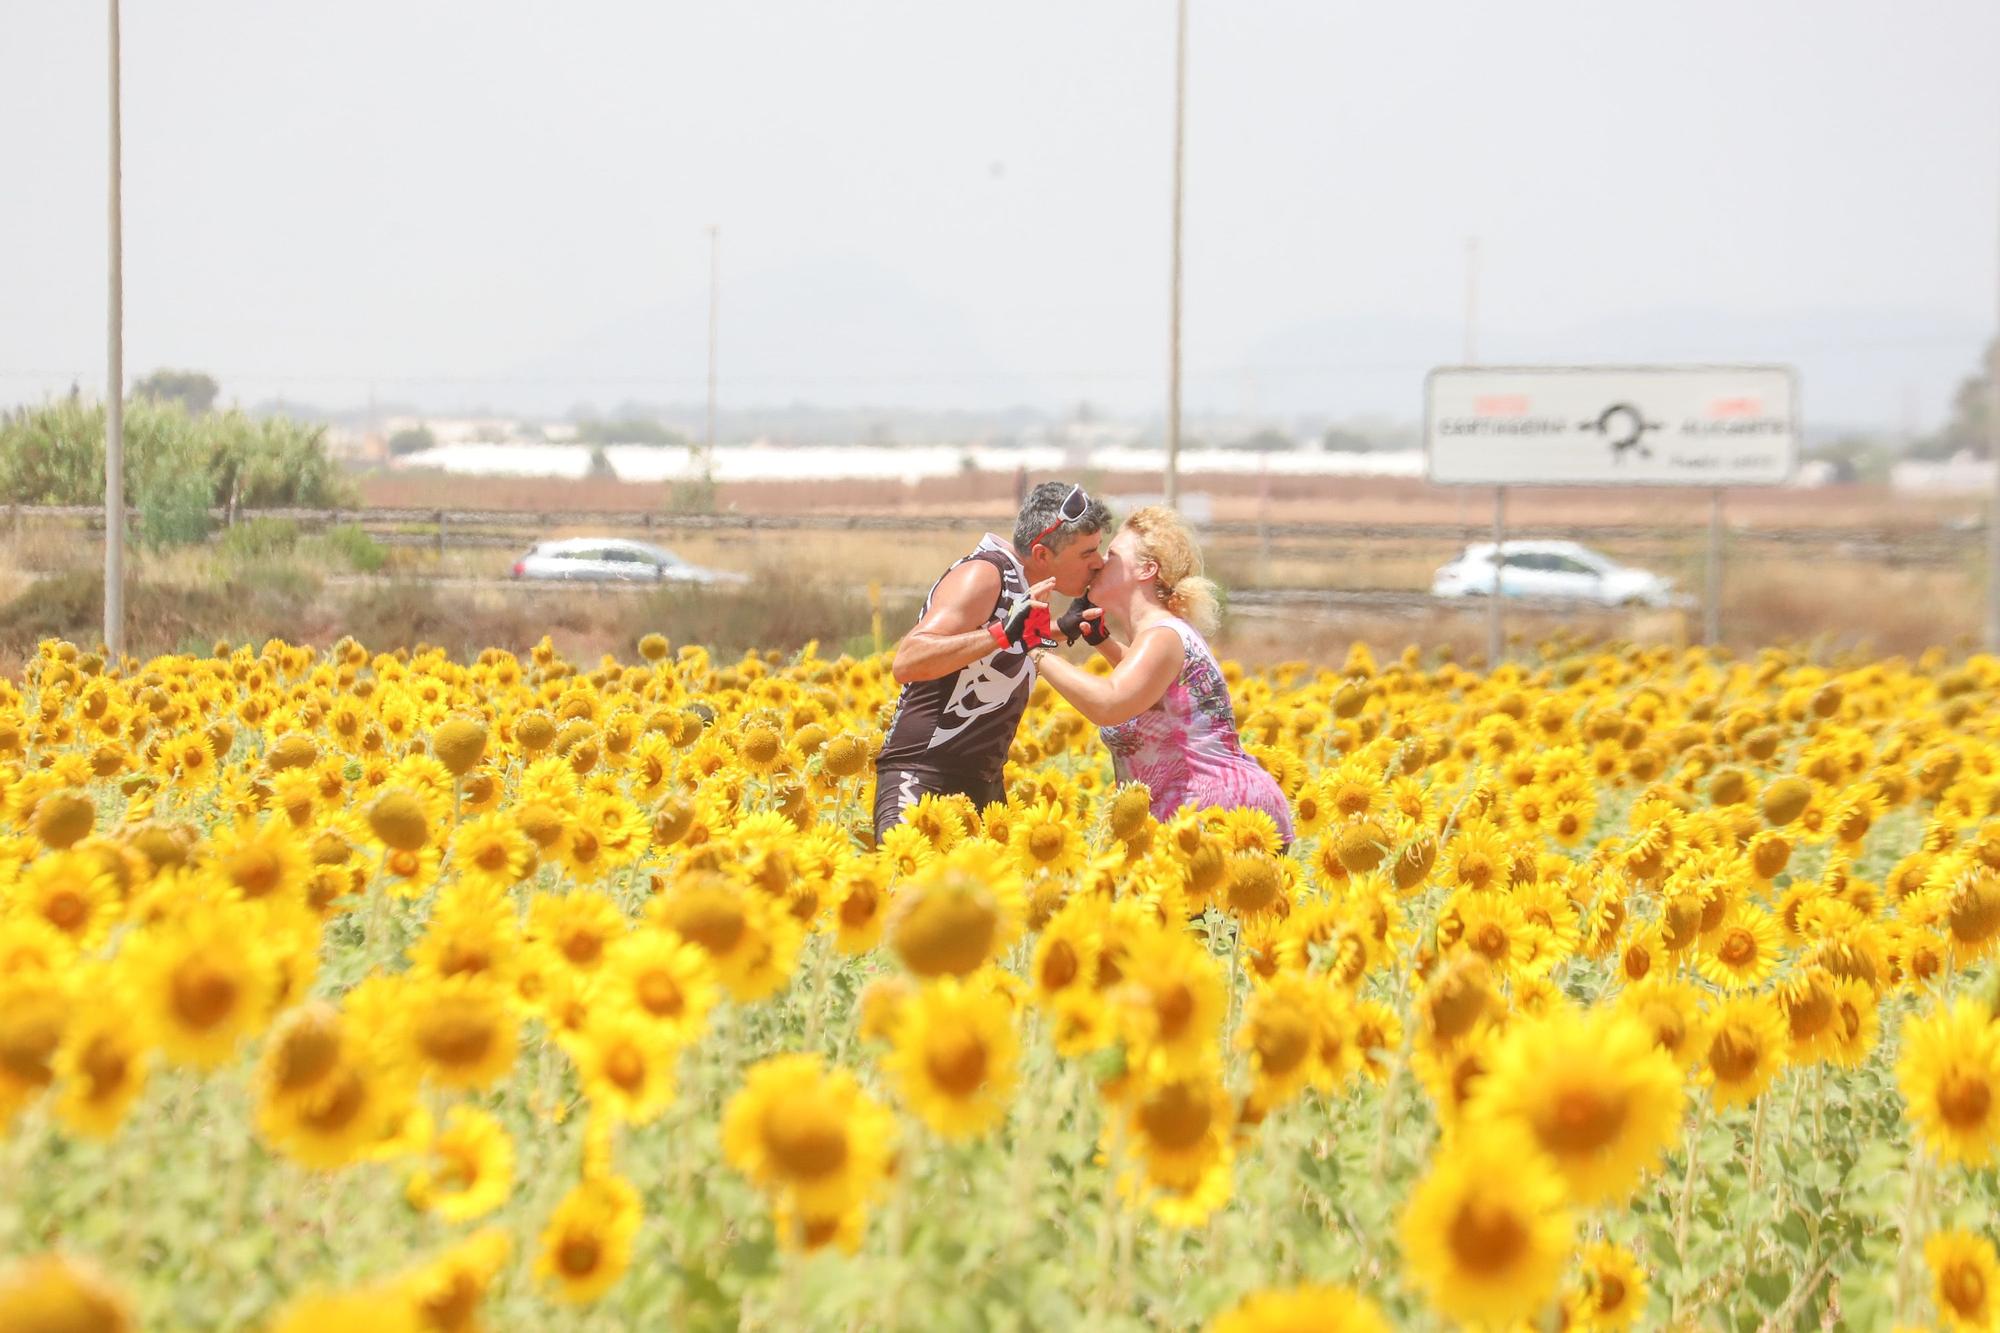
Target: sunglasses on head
<point>1074,506</point>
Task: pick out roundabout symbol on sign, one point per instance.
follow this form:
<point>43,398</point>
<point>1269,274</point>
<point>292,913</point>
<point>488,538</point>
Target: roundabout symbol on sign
<point>1625,427</point>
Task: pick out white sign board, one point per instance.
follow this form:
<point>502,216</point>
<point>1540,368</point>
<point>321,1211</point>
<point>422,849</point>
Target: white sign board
<point>1611,425</point>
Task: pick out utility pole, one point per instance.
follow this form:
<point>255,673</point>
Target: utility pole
<point>1993,459</point>
<point>114,399</point>
<point>1173,481</point>
<point>1472,300</point>
<point>714,315</point>
<point>1495,637</point>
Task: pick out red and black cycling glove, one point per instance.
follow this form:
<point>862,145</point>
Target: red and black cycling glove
<point>1023,624</point>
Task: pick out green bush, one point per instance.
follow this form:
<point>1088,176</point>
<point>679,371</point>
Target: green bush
<point>54,455</point>
<point>260,538</point>
<point>361,552</point>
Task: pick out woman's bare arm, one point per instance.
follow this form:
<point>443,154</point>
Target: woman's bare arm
<point>1138,682</point>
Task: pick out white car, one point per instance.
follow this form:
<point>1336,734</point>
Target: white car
<point>1553,570</point>
<point>613,559</point>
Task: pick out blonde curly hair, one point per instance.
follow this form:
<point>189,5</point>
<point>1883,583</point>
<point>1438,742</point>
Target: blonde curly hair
<point>1164,539</point>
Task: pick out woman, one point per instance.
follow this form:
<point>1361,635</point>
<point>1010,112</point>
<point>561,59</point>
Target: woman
<point>1164,710</point>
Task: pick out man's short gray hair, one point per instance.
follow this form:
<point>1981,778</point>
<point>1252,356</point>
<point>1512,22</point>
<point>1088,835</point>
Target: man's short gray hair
<point>1044,506</point>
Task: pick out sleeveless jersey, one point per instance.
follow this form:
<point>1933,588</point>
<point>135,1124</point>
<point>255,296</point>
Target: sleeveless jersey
<point>964,723</point>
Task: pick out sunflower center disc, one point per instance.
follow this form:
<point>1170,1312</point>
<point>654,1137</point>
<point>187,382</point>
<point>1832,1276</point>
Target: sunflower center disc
<point>1965,1289</point>
<point>1176,1117</point>
<point>957,1063</point>
<point>1487,1236</point>
<point>579,1255</point>
<point>456,1039</point>
<point>1175,1006</point>
<point>805,1142</point>
<point>660,994</point>
<point>1732,1058</point>
<point>1059,965</point>
<point>626,1068</point>
<point>203,996</point>
<point>1964,1099</point>
<point>1739,948</point>
<point>1584,1121</point>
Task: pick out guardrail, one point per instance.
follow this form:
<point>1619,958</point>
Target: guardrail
<point>464,525</point>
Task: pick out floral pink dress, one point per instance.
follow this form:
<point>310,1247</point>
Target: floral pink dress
<point>1185,748</point>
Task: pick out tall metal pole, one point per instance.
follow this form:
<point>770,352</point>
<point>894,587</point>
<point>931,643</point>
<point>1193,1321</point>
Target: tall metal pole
<point>1993,458</point>
<point>1494,641</point>
<point>1711,620</point>
<point>1173,480</point>
<point>114,398</point>
<point>1495,636</point>
<point>1471,300</point>
<point>714,315</point>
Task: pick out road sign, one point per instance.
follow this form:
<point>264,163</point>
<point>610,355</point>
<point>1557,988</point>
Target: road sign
<point>1611,425</point>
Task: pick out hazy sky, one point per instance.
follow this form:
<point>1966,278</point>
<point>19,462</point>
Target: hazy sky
<point>937,202</point>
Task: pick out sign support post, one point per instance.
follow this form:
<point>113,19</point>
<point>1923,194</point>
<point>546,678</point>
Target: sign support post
<point>1172,483</point>
<point>1711,620</point>
<point>1993,510</point>
<point>1495,641</point>
<point>1993,504</point>
<point>114,398</point>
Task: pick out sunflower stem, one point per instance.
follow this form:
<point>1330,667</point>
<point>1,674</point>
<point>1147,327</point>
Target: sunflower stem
<point>1909,1262</point>
<point>1757,1142</point>
<point>817,987</point>
<point>1819,1110</point>
<point>1235,980</point>
<point>1687,1183</point>
<point>1109,1205</point>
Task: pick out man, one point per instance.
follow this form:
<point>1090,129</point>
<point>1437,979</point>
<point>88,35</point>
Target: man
<point>964,668</point>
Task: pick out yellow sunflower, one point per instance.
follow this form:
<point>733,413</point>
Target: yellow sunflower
<point>749,938</point>
<point>1179,1126</point>
<point>471,1171</point>
<point>1746,1046</point>
<point>54,1293</point>
<point>587,1245</point>
<point>1486,1232</point>
<point>808,1134</point>
<point>1965,1279</point>
<point>954,1057</point>
<point>1171,1002</point>
<point>100,1067</point>
<point>1281,1031</point>
<point>1048,841</point>
<point>462,1030</point>
<point>955,915</point>
<point>1592,1090</point>
<point>1743,951</point>
<point>625,1064</point>
<point>1612,1292</point>
<point>200,984</point>
<point>1949,1073</point>
<point>666,981</point>
<point>1312,1308</point>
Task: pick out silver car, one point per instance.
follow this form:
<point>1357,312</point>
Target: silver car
<point>613,560</point>
<point>1556,570</point>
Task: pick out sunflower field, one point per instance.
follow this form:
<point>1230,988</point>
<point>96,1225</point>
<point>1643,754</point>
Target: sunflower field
<point>1614,988</point>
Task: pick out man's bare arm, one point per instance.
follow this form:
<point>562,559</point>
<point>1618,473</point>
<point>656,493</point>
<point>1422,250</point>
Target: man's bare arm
<point>953,633</point>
